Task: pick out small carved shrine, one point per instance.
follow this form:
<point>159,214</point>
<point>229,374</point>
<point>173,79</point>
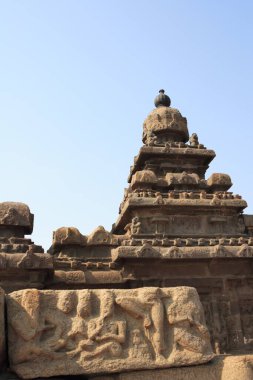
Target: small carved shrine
<point>125,300</point>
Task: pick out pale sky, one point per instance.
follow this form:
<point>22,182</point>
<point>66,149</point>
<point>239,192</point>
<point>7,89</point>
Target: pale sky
<point>77,79</point>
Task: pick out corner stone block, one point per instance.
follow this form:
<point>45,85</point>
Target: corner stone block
<point>74,332</point>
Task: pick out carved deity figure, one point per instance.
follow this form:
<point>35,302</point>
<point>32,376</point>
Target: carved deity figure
<point>186,178</point>
<point>105,334</point>
<point>139,348</point>
<point>151,138</point>
<point>42,334</point>
<point>202,194</point>
<point>244,250</point>
<point>135,226</point>
<point>194,140</point>
<point>189,330</point>
<point>215,200</point>
<point>72,337</point>
<point>25,325</point>
<point>69,330</point>
<point>159,198</point>
<point>149,308</point>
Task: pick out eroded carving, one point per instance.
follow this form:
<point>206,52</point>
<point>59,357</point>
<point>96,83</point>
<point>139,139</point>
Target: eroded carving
<point>193,140</point>
<point>101,236</point>
<point>135,227</point>
<point>68,236</point>
<point>87,331</point>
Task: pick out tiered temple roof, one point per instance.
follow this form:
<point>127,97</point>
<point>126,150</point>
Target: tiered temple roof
<point>175,228</point>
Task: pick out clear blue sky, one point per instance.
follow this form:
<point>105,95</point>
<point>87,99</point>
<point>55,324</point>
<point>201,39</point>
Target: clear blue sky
<point>77,79</point>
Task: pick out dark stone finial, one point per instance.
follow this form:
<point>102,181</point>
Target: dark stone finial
<point>162,100</point>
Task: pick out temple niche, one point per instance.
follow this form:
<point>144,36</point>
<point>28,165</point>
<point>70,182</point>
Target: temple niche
<point>168,286</point>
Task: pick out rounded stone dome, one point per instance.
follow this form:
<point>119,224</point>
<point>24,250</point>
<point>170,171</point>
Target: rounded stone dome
<point>166,123</point>
<point>162,99</point>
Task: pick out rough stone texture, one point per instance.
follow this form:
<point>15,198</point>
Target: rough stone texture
<point>2,331</point>
<point>55,332</point>
<point>15,214</point>
<point>167,124</point>
<point>221,368</point>
<point>27,260</point>
<point>175,228</point>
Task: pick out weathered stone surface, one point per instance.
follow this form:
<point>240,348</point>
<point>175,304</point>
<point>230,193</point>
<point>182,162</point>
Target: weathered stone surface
<point>147,250</point>
<point>56,332</point>
<point>28,260</point>
<point>221,368</point>
<point>101,237</point>
<point>175,228</point>
<point>68,236</point>
<point>16,214</point>
<point>219,181</point>
<point>167,123</point>
<point>2,330</point>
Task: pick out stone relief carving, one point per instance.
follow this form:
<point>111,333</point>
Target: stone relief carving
<point>150,138</point>
<point>183,178</point>
<point>159,198</point>
<point>139,348</point>
<point>33,260</point>
<point>87,331</point>
<point>190,331</point>
<point>194,140</point>
<point>27,260</point>
<point>135,226</point>
<point>144,176</point>
<point>147,250</point>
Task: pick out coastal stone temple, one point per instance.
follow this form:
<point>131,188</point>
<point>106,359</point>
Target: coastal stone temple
<point>166,294</point>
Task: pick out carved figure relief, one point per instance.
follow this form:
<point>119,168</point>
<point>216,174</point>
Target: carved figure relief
<point>190,331</point>
<point>150,310</point>
<point>136,226</point>
<point>159,198</point>
<point>87,331</point>
<point>151,138</point>
<point>193,140</point>
<point>139,348</point>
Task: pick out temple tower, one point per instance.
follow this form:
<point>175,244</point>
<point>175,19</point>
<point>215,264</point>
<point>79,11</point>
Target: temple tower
<point>168,194</point>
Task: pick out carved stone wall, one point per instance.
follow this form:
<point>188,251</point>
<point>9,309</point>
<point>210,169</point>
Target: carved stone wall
<point>55,333</point>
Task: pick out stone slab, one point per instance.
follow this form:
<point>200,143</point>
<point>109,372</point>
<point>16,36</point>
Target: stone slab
<point>67,332</point>
<point>221,368</point>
